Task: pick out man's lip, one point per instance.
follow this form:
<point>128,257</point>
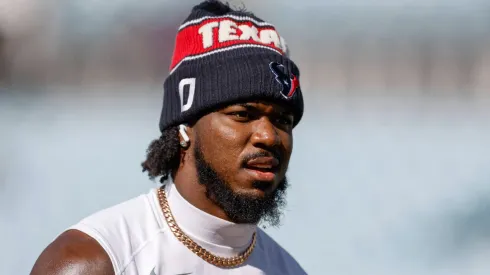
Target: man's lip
<point>260,175</point>
<point>268,163</point>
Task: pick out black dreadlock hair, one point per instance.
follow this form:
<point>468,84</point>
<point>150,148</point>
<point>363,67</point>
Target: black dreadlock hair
<point>163,155</point>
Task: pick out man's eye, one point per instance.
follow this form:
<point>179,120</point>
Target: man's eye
<point>241,114</point>
<point>285,121</point>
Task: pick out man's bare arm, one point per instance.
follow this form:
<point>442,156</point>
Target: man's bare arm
<point>74,253</point>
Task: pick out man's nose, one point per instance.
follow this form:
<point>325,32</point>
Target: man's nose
<point>265,134</point>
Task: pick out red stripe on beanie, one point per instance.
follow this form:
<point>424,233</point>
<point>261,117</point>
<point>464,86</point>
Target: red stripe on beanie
<point>216,33</point>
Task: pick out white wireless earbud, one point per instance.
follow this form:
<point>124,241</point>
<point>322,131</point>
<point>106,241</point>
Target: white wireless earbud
<point>184,135</point>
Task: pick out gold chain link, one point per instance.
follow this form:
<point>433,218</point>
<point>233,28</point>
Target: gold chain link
<point>197,249</point>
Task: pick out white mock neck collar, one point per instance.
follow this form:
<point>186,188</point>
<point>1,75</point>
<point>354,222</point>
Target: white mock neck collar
<point>215,234</point>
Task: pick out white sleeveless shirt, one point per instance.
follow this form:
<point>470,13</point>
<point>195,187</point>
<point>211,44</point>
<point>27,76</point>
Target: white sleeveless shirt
<point>138,241</point>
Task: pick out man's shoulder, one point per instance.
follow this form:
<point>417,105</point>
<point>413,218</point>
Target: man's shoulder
<point>75,253</point>
<point>278,255</point>
<point>123,229</point>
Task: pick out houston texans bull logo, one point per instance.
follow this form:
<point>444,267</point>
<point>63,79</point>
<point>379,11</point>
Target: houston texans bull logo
<point>290,83</point>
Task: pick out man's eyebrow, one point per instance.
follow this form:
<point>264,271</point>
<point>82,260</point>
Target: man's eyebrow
<point>286,113</point>
<point>247,105</point>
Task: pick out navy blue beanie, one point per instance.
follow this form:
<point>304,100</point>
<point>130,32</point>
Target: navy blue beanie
<point>223,56</point>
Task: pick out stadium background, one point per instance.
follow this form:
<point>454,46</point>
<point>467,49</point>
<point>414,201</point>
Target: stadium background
<point>390,173</point>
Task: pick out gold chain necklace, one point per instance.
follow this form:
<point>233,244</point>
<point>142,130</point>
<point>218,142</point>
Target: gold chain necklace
<point>197,249</point>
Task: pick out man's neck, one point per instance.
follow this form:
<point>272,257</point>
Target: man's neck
<point>215,234</point>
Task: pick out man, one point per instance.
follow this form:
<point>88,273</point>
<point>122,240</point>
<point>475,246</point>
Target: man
<point>231,101</point>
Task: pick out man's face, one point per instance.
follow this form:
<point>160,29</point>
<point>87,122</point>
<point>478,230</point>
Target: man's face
<point>242,154</point>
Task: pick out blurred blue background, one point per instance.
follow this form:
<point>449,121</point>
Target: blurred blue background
<point>390,171</point>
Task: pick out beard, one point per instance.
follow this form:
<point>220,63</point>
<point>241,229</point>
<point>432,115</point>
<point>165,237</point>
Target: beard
<point>240,208</point>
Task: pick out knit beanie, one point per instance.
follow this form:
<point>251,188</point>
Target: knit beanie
<point>223,56</point>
